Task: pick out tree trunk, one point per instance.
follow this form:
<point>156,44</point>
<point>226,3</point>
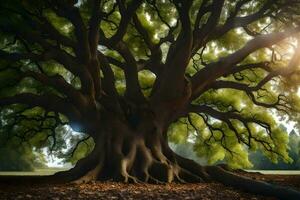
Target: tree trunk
<point>129,153</point>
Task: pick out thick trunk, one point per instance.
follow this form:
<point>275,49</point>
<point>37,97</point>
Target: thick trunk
<point>131,153</point>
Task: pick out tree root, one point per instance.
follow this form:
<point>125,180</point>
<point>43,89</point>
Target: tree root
<point>252,186</point>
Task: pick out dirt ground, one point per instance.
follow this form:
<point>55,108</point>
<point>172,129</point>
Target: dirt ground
<point>113,190</point>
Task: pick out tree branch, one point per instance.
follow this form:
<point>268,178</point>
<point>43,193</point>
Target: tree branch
<point>249,66</point>
<point>133,89</point>
<point>280,104</point>
<point>126,15</point>
<point>200,34</point>
<point>109,78</point>
<point>94,25</point>
<point>72,13</point>
<point>58,83</point>
<point>235,22</point>
<point>48,102</point>
<point>177,60</point>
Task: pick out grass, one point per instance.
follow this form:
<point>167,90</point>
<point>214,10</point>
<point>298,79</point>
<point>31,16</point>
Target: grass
<point>279,172</point>
<point>36,172</point>
<point>50,171</point>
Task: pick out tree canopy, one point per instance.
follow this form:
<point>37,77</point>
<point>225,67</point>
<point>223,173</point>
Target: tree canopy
<point>219,73</point>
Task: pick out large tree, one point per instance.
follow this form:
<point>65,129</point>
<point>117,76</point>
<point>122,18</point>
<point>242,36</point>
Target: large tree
<point>125,71</point>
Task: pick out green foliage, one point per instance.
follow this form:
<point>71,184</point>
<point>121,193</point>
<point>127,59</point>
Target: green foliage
<point>179,132</point>
<point>82,150</point>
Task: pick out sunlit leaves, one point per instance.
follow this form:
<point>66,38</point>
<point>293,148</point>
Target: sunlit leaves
<point>61,24</point>
<point>83,149</point>
<point>178,133</point>
<point>146,79</point>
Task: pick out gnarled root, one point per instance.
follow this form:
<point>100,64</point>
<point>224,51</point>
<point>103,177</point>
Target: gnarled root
<point>252,186</point>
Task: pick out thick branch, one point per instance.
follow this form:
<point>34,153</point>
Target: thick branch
<point>109,77</point>
<point>126,14</point>
<point>48,102</point>
<point>93,36</point>
<point>156,54</point>
<point>177,60</point>
<point>23,56</point>
<point>133,89</point>
<point>58,83</point>
<point>94,25</point>
<point>72,13</point>
<point>200,34</point>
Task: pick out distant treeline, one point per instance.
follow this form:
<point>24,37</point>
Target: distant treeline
<point>260,161</point>
<point>20,158</point>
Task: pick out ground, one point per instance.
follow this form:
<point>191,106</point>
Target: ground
<point>113,190</point>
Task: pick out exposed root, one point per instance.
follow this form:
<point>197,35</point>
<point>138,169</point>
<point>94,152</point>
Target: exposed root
<point>193,167</point>
<point>253,186</point>
<point>90,176</point>
<point>187,176</point>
